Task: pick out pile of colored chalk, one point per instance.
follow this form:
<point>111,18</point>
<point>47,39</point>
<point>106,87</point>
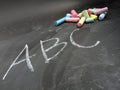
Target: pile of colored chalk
<point>86,16</point>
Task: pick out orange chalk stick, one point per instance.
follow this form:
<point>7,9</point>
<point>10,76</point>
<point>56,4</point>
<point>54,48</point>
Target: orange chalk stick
<point>81,21</point>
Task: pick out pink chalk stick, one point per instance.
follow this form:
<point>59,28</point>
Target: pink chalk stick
<point>74,13</point>
<point>72,19</point>
<point>89,11</point>
<point>99,11</point>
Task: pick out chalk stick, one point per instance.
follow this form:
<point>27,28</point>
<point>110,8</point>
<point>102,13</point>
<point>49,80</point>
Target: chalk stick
<point>72,19</point>
<point>99,11</point>
<point>94,16</point>
<point>62,20</point>
<point>89,20</point>
<point>102,16</point>
<point>89,12</point>
<point>85,13</point>
<point>74,13</point>
<point>92,10</point>
<point>81,22</point>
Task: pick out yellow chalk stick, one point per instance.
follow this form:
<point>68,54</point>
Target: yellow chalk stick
<point>94,16</point>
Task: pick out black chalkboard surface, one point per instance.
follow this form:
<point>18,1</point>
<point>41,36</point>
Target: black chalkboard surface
<point>37,55</point>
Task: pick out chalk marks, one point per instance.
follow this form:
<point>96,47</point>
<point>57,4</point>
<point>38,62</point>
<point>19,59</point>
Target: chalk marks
<point>47,59</point>
<point>58,29</point>
<point>37,28</point>
<point>44,51</point>
<point>81,46</point>
<point>25,59</point>
<point>29,65</point>
<point>28,60</point>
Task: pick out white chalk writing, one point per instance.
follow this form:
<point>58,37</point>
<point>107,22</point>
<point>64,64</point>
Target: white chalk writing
<point>16,63</point>
<point>81,46</point>
<point>48,49</point>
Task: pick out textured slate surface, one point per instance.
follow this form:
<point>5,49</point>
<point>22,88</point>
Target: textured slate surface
<point>75,68</point>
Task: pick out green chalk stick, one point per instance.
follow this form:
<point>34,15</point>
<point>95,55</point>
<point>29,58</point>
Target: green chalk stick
<point>89,20</point>
<point>85,13</point>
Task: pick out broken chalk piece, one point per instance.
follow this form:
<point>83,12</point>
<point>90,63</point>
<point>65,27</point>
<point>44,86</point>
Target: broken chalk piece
<point>100,11</point>
<point>88,20</point>
<point>85,13</point>
<point>62,20</point>
<point>81,22</point>
<point>74,13</point>
<point>92,10</point>
<point>102,16</point>
<point>94,16</point>
<point>72,19</point>
<point>89,11</point>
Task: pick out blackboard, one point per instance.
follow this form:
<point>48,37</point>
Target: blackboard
<point>36,55</point>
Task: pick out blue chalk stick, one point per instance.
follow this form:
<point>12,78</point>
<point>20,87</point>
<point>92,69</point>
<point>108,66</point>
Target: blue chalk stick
<point>102,16</point>
<point>62,20</point>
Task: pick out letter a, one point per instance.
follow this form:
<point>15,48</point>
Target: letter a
<point>29,65</point>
